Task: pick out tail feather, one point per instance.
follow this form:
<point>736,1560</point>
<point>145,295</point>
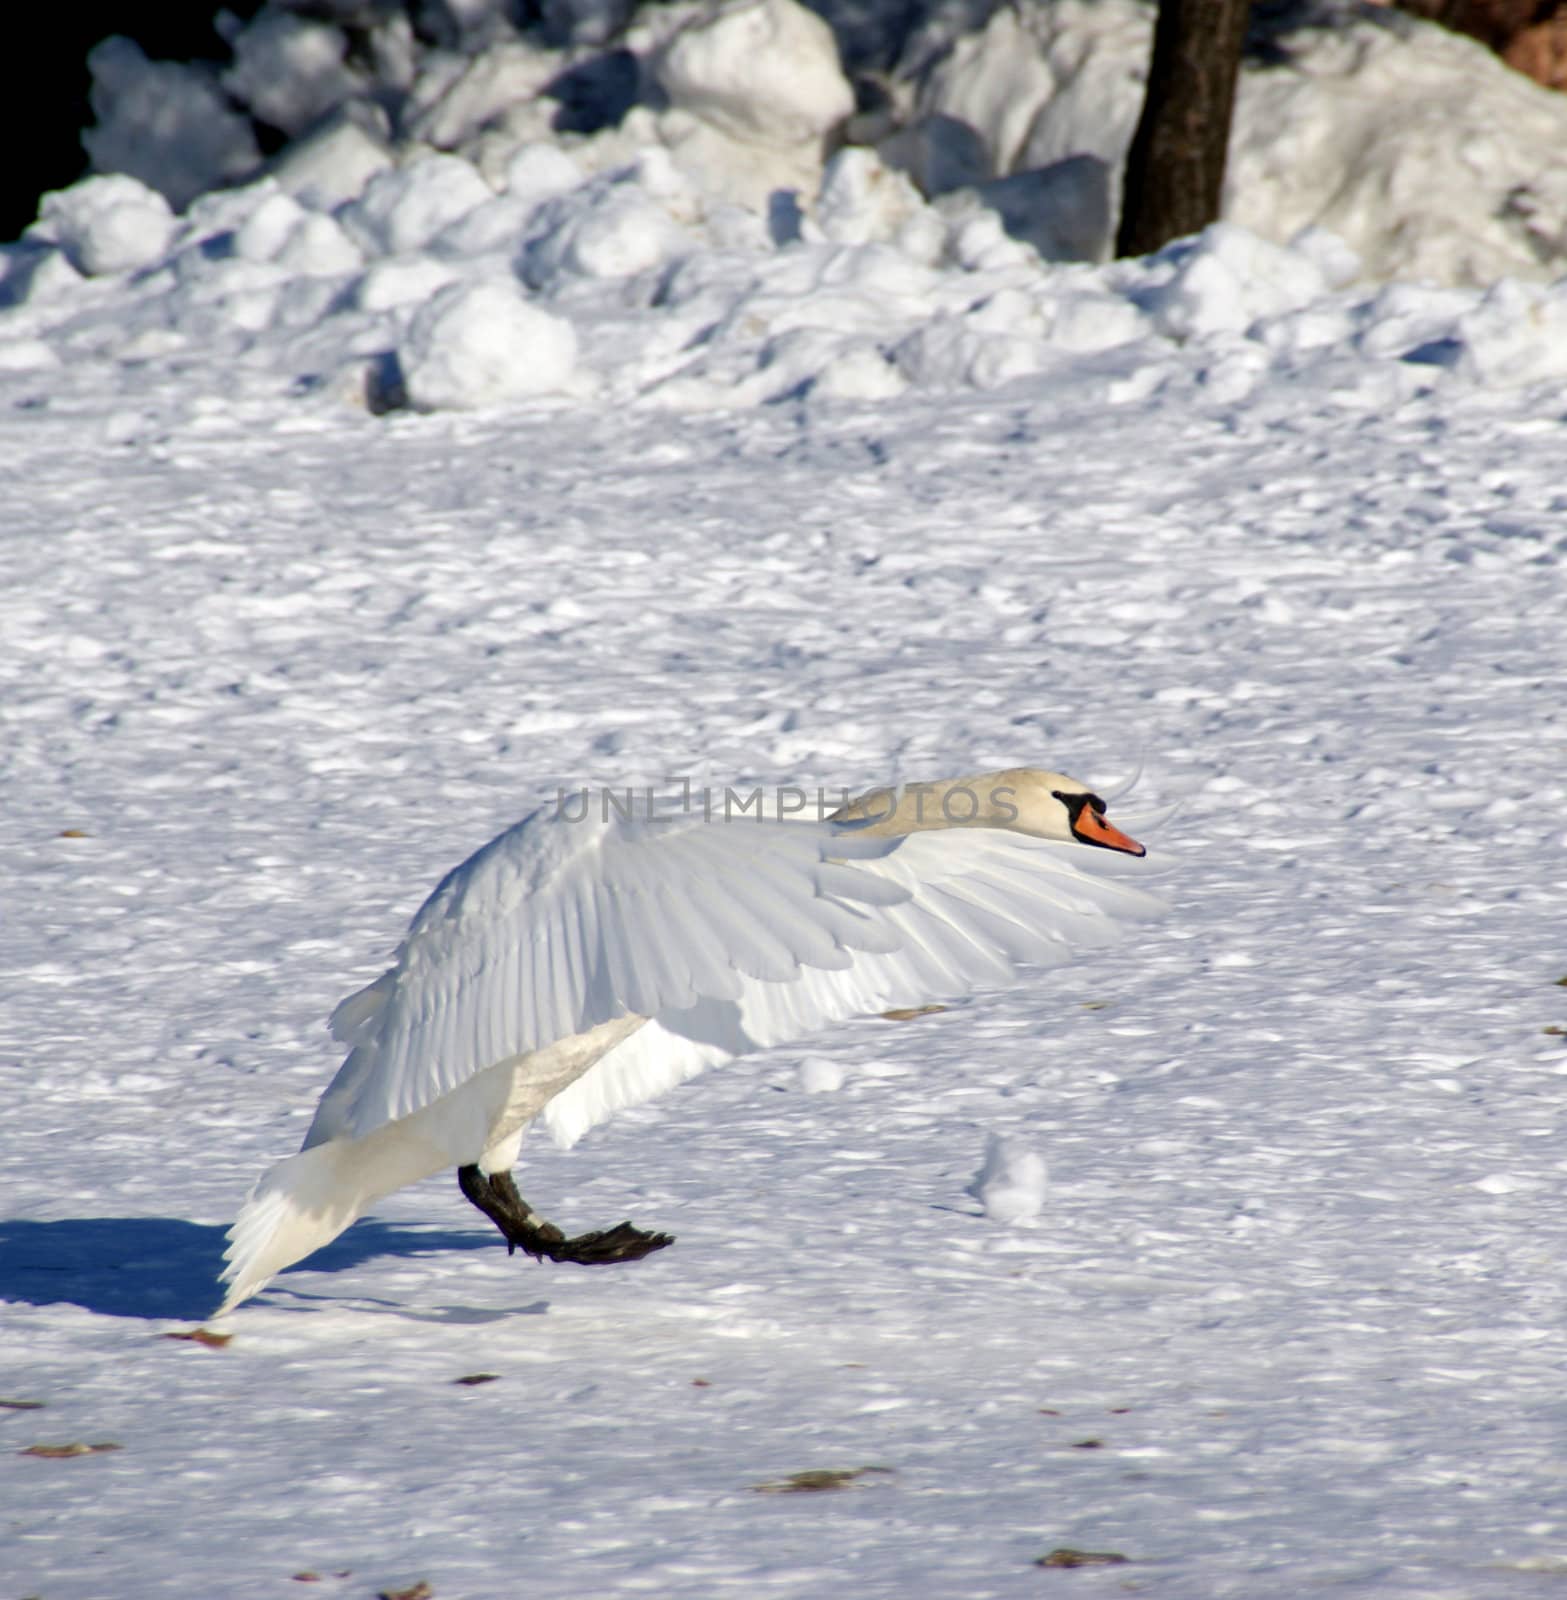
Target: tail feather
<point>306,1201</point>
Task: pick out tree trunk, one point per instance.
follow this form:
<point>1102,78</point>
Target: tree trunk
<point>1175,168</point>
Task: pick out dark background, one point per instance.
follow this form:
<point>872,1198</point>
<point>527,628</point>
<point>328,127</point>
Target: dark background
<point>44,81</point>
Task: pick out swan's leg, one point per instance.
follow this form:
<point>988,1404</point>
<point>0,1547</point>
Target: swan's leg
<point>496,1196</point>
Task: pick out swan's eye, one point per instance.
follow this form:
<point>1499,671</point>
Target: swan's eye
<point>1074,804</point>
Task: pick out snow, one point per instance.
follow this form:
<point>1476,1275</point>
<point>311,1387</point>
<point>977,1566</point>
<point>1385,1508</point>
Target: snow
<point>404,208</point>
<point>480,344</point>
<point>1011,1184</point>
<point>289,70</point>
<point>821,1075</point>
<point>164,122</point>
<point>830,494</point>
<point>106,225</point>
<point>1415,145</point>
<point>1367,135</point>
<point>763,71</point>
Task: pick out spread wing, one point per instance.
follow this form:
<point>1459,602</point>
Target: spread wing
<point>558,925</point>
<point>972,905</point>
<point>731,937</point>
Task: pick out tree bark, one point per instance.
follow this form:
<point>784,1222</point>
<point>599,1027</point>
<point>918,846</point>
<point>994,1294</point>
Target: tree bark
<point>1175,168</point>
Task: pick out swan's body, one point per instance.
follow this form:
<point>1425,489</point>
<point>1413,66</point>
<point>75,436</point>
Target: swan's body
<point>572,967</point>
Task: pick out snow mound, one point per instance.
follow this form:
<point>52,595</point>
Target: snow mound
<point>1225,279</point>
<point>1417,146</point>
<point>480,344</point>
<point>763,71</point>
<point>107,225</point>
<point>1011,1183</point>
<point>405,208</point>
<point>821,1075</point>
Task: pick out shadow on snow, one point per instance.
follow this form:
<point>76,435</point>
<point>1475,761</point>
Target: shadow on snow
<point>165,1267</point>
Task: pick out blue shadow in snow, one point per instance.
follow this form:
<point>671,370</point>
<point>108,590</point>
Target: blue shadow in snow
<point>165,1267</point>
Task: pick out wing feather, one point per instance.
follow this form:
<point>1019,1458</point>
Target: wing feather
<point>969,905</point>
<point>555,927</point>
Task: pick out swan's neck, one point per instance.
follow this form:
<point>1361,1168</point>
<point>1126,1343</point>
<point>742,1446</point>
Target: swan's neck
<point>986,800</point>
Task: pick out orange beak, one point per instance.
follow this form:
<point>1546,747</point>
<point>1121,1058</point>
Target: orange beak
<point>1091,828</point>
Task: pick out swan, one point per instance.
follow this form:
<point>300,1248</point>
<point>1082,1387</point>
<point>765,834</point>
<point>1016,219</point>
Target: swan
<point>577,964</point>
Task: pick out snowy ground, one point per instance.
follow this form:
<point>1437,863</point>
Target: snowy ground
<point>818,509</point>
<point>1299,1267</point>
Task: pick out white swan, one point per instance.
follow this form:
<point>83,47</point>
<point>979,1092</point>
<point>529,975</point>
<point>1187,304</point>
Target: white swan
<point>576,965</point>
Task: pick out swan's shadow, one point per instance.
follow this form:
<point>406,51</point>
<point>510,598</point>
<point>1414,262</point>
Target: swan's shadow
<point>165,1267</point>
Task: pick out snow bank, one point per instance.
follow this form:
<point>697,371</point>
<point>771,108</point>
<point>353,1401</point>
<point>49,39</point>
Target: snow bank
<point>1428,155</point>
<point>1417,146</point>
<point>697,252</point>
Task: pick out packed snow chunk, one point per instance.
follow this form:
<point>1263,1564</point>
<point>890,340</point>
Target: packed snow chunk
<point>1517,334</point>
<point>1097,51</point>
<point>282,231</point>
<point>994,80</point>
<point>611,232</point>
<point>317,248</point>
<point>539,172</point>
<point>27,355</point>
<point>1412,322</point>
<point>978,241</point>
<point>402,281</point>
<point>1011,1183</point>
<point>729,170</point>
<point>482,344</point>
<point>403,209</point>
<point>332,164</point>
<point>1223,280</point>
<point>765,71</point>
<point>863,199</point>
<point>33,272</point>
<point>108,224</point>
<point>168,124</point>
<point>1085,319</point>
<point>496,227</point>
<point>1340,266</point>
<point>264,232</point>
<point>1231,374</point>
<point>507,76</point>
<point>818,1075</point>
<point>289,70</point>
<point>659,176</point>
<point>824,363</point>
<point>860,372</point>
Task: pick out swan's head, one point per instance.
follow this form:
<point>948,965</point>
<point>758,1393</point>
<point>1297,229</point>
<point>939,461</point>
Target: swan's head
<point>1051,805</point>
<point>1048,805</point>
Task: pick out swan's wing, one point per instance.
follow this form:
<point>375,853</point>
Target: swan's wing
<point>558,925</point>
<point>973,904</point>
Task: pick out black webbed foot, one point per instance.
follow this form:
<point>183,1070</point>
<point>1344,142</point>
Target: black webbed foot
<point>495,1194</point>
<point>620,1243</point>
